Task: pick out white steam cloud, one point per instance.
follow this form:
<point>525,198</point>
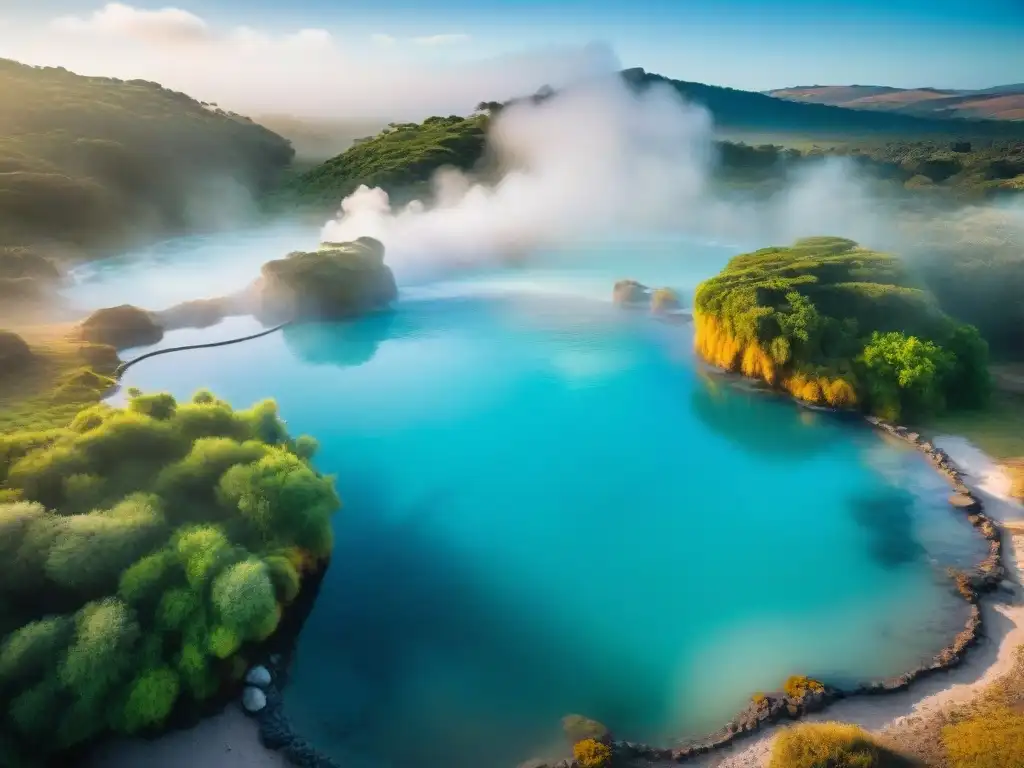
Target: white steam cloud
<point>599,160</point>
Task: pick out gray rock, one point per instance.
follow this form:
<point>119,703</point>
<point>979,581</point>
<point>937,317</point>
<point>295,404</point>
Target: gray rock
<point>1008,587</point>
<point>253,699</point>
<point>258,676</point>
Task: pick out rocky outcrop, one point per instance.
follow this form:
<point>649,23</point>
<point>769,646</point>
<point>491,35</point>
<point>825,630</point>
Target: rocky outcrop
<point>122,326</point>
<point>15,353</point>
<point>630,293</point>
<point>339,280</point>
<point>665,300</point>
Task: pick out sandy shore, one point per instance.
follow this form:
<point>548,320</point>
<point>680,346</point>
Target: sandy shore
<point>902,713</point>
<point>228,740</point>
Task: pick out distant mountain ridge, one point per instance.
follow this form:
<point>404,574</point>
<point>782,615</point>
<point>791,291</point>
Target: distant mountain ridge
<point>1001,102</point>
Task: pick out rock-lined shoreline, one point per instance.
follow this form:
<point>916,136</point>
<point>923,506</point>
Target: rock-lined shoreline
<point>985,577</point>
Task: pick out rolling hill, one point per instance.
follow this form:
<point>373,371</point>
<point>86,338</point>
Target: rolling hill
<point>89,164</point>
<point>1004,102</point>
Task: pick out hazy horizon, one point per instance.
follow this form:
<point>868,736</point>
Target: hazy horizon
<point>391,59</point>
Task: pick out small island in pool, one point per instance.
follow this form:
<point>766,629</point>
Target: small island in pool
<point>150,551</point>
<point>838,325</point>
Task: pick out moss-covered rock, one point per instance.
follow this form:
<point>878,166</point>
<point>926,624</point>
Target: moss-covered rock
<point>337,281</point>
<point>14,353</point>
<point>665,300</point>
<point>122,326</point>
<point>839,325</point>
<point>630,293</point>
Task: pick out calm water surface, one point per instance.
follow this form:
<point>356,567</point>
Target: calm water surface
<point>550,507</point>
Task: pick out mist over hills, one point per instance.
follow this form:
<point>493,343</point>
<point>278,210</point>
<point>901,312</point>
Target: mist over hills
<point>94,163</point>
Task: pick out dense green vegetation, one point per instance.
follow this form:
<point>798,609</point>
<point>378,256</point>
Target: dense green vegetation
<point>338,280</point>
<point>832,745</point>
<point>839,325</point>
<point>934,170</point>
<point>142,549</point>
<point>90,163</point>
<point>401,159</point>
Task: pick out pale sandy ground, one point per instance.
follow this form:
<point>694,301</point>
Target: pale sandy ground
<point>229,740</point>
<point>986,662</point>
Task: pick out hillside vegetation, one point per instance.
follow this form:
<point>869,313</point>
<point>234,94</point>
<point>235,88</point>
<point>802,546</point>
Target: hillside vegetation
<point>401,159</point>
<point>909,155</point>
<point>143,549</point>
<point>92,163</point>
<point>1000,103</point>
<point>839,325</point>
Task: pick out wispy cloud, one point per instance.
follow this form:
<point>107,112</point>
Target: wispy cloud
<point>449,39</point>
<point>305,72</point>
<point>117,19</point>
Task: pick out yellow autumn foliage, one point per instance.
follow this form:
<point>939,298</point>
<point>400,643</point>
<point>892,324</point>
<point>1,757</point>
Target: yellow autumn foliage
<point>715,344</point>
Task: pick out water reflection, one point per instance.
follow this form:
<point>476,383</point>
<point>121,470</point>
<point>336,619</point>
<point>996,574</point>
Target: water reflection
<point>757,424</point>
<point>344,344</point>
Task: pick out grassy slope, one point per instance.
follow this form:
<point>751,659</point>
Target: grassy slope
<point>89,162</point>
<point>402,157</point>
<point>55,386</point>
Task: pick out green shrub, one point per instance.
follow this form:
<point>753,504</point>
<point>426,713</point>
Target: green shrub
<point>27,653</point>
<point>32,711</point>
<point>109,609</point>
<point>203,551</point>
<point>106,634</point>
<point>145,580</point>
<point>224,641</point>
<point>151,698</point>
<point>92,551</point>
<point>285,576</point>
<point>831,745</point>
<point>176,607</point>
<point>244,599</point>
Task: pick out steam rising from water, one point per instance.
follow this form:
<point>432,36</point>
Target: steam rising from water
<point>596,161</point>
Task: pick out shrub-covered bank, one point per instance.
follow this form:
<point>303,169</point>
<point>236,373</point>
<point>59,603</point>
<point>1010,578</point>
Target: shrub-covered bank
<point>839,325</point>
<point>144,549</point>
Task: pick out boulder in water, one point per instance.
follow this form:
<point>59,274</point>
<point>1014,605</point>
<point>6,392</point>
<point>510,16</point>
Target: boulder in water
<point>253,699</point>
<point>258,676</point>
<point>122,326</point>
<point>337,281</point>
<point>630,293</point>
<point>665,300</point>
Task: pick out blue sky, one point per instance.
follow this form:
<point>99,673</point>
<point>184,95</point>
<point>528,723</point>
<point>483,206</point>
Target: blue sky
<point>751,44</point>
